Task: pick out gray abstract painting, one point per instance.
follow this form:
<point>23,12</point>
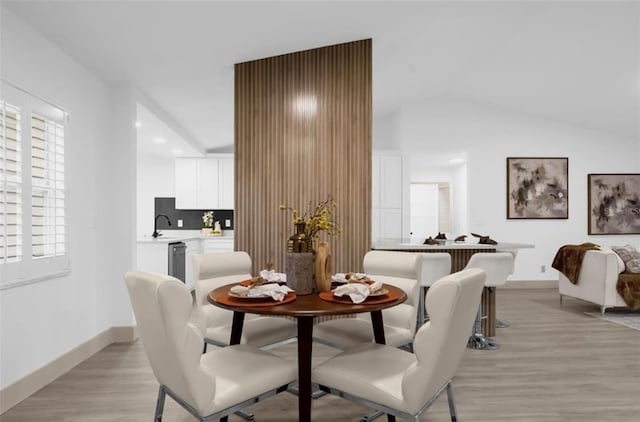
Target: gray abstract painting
<point>537,187</point>
<point>614,203</point>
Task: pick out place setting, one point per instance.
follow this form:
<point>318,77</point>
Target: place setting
<point>267,289</point>
<point>356,288</point>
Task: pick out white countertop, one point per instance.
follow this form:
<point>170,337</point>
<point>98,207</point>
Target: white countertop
<point>171,236</point>
<point>399,245</point>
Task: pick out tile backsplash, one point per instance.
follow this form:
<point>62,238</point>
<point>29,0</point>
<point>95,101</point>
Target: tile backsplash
<point>191,219</point>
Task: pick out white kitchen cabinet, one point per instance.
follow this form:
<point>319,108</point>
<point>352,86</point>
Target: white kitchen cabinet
<point>375,182</point>
<point>194,247</point>
<point>204,183</point>
<point>390,180</point>
<point>153,257</point>
<point>186,183</point>
<point>390,223</point>
<point>217,244</point>
<point>208,180</point>
<point>226,183</point>
<point>375,224</point>
<point>386,196</point>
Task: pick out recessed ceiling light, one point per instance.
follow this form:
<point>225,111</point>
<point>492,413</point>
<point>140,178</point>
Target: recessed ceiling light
<point>306,105</point>
<point>138,124</point>
<point>457,160</point>
<point>176,151</point>
<point>159,140</point>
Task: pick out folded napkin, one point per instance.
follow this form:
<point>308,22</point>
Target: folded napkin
<point>342,277</point>
<point>358,292</point>
<point>273,290</point>
<point>272,276</point>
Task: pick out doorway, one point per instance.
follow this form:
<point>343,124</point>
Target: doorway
<point>430,210</point>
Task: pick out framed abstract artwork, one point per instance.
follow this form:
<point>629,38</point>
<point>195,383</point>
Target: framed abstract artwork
<point>614,203</point>
<point>537,187</point>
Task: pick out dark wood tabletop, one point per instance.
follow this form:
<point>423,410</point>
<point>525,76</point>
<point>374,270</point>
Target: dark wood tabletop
<point>308,305</point>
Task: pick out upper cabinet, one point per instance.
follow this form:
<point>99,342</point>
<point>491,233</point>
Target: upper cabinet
<point>390,180</point>
<point>386,196</point>
<point>186,183</point>
<point>226,182</point>
<point>204,183</point>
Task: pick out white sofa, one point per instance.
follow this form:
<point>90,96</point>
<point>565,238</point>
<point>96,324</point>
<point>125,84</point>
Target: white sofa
<point>597,280</point>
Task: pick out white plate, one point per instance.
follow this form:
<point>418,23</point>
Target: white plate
<point>339,278</point>
<point>238,296</point>
<point>380,292</point>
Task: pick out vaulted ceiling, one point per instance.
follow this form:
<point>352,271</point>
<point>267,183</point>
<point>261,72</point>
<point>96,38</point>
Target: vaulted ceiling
<point>576,62</point>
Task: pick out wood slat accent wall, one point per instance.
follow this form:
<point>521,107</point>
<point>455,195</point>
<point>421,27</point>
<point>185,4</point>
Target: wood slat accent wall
<point>303,132</point>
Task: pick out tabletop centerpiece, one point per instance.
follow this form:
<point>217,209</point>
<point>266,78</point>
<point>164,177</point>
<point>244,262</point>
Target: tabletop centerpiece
<point>306,270</point>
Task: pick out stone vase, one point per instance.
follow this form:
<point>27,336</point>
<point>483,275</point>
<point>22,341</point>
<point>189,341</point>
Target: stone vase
<point>299,269</point>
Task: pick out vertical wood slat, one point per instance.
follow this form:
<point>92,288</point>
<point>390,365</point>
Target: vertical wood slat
<point>287,154</point>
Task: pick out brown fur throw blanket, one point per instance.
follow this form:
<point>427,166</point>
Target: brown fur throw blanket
<point>568,259</point>
<point>629,288</point>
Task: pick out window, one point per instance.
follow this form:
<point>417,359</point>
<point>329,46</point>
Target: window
<point>47,188</point>
<point>32,189</point>
<point>10,185</point>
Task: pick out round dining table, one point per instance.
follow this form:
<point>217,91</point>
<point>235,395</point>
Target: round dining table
<point>305,308</point>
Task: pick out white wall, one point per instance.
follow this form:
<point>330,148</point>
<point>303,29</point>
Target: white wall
<point>383,134</point>
<point>459,199</point>
<point>156,178</point>
<point>42,321</point>
<point>488,136</point>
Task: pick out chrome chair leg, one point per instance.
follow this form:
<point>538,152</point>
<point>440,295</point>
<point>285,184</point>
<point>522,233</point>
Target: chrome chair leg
<point>477,340</point>
<point>159,405</point>
<point>452,405</point>
<point>480,342</point>
<point>421,309</point>
<point>316,392</point>
<point>371,416</point>
<point>245,415</point>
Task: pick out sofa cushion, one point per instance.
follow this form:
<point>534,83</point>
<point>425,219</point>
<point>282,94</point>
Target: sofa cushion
<point>621,266</point>
<point>630,256</point>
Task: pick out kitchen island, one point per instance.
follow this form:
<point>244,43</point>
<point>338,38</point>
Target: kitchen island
<point>460,251</point>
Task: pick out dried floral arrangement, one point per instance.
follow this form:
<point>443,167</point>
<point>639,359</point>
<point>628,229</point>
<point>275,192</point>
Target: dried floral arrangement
<point>317,218</point>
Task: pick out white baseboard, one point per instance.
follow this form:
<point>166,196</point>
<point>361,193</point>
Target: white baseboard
<point>530,284</point>
<point>28,385</point>
<point>125,334</point>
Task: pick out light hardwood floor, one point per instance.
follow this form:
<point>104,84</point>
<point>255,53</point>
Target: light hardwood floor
<point>555,364</point>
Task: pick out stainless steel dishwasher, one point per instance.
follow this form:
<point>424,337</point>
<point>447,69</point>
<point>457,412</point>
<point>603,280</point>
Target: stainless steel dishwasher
<point>177,252</point>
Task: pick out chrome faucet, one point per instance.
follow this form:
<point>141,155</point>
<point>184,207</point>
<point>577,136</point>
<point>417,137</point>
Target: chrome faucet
<point>155,225</point>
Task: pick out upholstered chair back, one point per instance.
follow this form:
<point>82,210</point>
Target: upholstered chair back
<point>212,270</point>
<point>498,266</point>
<point>434,266</point>
<point>400,269</point>
<point>440,343</point>
<point>162,305</point>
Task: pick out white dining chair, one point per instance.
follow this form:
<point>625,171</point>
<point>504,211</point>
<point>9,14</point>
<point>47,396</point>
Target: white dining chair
<point>434,266</point>
<point>403,384</point>
<point>497,266</point>
<point>210,386</point>
<point>400,269</point>
<point>212,270</point>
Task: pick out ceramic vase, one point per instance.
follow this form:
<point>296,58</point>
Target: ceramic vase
<point>299,269</point>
